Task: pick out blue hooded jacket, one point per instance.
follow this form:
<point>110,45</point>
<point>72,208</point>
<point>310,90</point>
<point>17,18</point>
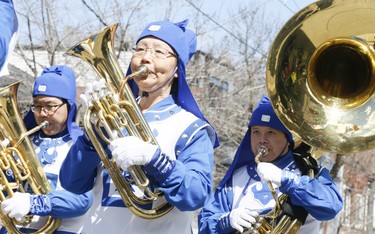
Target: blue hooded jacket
<point>184,42</point>
<point>319,196</point>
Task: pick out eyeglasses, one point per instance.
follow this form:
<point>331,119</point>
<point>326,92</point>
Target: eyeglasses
<point>156,52</point>
<point>48,109</point>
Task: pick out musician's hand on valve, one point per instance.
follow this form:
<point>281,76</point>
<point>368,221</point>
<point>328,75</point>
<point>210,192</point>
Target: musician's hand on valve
<point>85,97</point>
<point>17,206</point>
<point>93,91</point>
<point>100,87</point>
<point>269,172</point>
<point>241,218</point>
<point>130,150</point>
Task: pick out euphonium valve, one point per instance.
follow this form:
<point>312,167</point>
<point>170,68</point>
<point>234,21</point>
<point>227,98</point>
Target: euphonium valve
<point>19,161</point>
<point>112,117</point>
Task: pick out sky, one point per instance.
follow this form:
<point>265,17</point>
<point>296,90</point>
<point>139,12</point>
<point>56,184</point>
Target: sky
<point>284,9</point>
<point>275,10</point>
<point>215,13</point>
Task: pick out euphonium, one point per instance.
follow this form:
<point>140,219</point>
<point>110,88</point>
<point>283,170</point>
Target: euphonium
<point>321,77</point>
<point>113,116</point>
<point>18,157</point>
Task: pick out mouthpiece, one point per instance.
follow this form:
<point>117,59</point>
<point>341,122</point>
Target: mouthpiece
<point>141,72</point>
<point>262,150</point>
<point>44,124</point>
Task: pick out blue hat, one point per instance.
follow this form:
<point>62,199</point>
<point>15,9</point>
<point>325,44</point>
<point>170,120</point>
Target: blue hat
<point>264,115</point>
<point>184,42</point>
<point>57,81</point>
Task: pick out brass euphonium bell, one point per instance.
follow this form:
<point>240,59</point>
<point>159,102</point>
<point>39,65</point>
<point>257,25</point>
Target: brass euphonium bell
<point>114,116</point>
<point>17,157</point>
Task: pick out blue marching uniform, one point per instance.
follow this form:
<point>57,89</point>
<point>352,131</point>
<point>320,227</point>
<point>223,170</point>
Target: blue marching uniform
<point>59,203</point>
<point>242,186</point>
<point>318,196</point>
<point>186,182</point>
<point>181,168</point>
<point>56,81</point>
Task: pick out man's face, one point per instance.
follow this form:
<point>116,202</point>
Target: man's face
<point>52,109</point>
<point>273,139</point>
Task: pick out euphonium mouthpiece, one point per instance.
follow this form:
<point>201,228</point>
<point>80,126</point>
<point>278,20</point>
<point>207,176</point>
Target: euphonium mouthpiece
<point>141,72</point>
<point>44,124</point>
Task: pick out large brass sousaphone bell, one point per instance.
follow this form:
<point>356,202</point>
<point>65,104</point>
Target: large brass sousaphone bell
<point>321,82</point>
<point>321,75</point>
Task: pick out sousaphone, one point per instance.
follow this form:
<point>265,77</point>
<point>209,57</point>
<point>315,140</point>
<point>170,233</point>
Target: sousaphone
<point>320,80</point>
<point>321,75</point>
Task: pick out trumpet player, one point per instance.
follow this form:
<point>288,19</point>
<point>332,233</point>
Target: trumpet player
<point>54,95</point>
<point>180,166</point>
<point>244,196</point>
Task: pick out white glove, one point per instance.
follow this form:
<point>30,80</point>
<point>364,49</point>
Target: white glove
<point>269,172</point>
<point>242,217</point>
<point>17,206</point>
<point>94,90</point>
<point>85,97</point>
<point>129,151</point>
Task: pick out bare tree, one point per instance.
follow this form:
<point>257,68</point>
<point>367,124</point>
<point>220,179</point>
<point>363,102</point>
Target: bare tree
<point>227,75</point>
<point>230,76</point>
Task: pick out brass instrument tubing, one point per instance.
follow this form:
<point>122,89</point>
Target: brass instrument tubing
<point>43,125</point>
<point>263,150</point>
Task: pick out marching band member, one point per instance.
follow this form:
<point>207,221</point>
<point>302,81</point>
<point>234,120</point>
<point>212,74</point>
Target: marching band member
<point>9,32</point>
<point>181,167</point>
<point>54,95</point>
<point>243,195</point>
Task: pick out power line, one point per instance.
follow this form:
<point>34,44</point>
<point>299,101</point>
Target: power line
<point>222,27</point>
<point>284,4</point>
<point>214,21</point>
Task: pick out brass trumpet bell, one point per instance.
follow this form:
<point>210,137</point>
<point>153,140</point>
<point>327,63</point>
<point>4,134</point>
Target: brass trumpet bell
<point>321,75</point>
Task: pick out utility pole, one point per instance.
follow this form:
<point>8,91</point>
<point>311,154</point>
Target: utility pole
<point>370,214</point>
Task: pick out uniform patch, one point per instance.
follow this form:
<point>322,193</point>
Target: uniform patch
<point>42,88</point>
<point>266,118</point>
<point>154,27</point>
